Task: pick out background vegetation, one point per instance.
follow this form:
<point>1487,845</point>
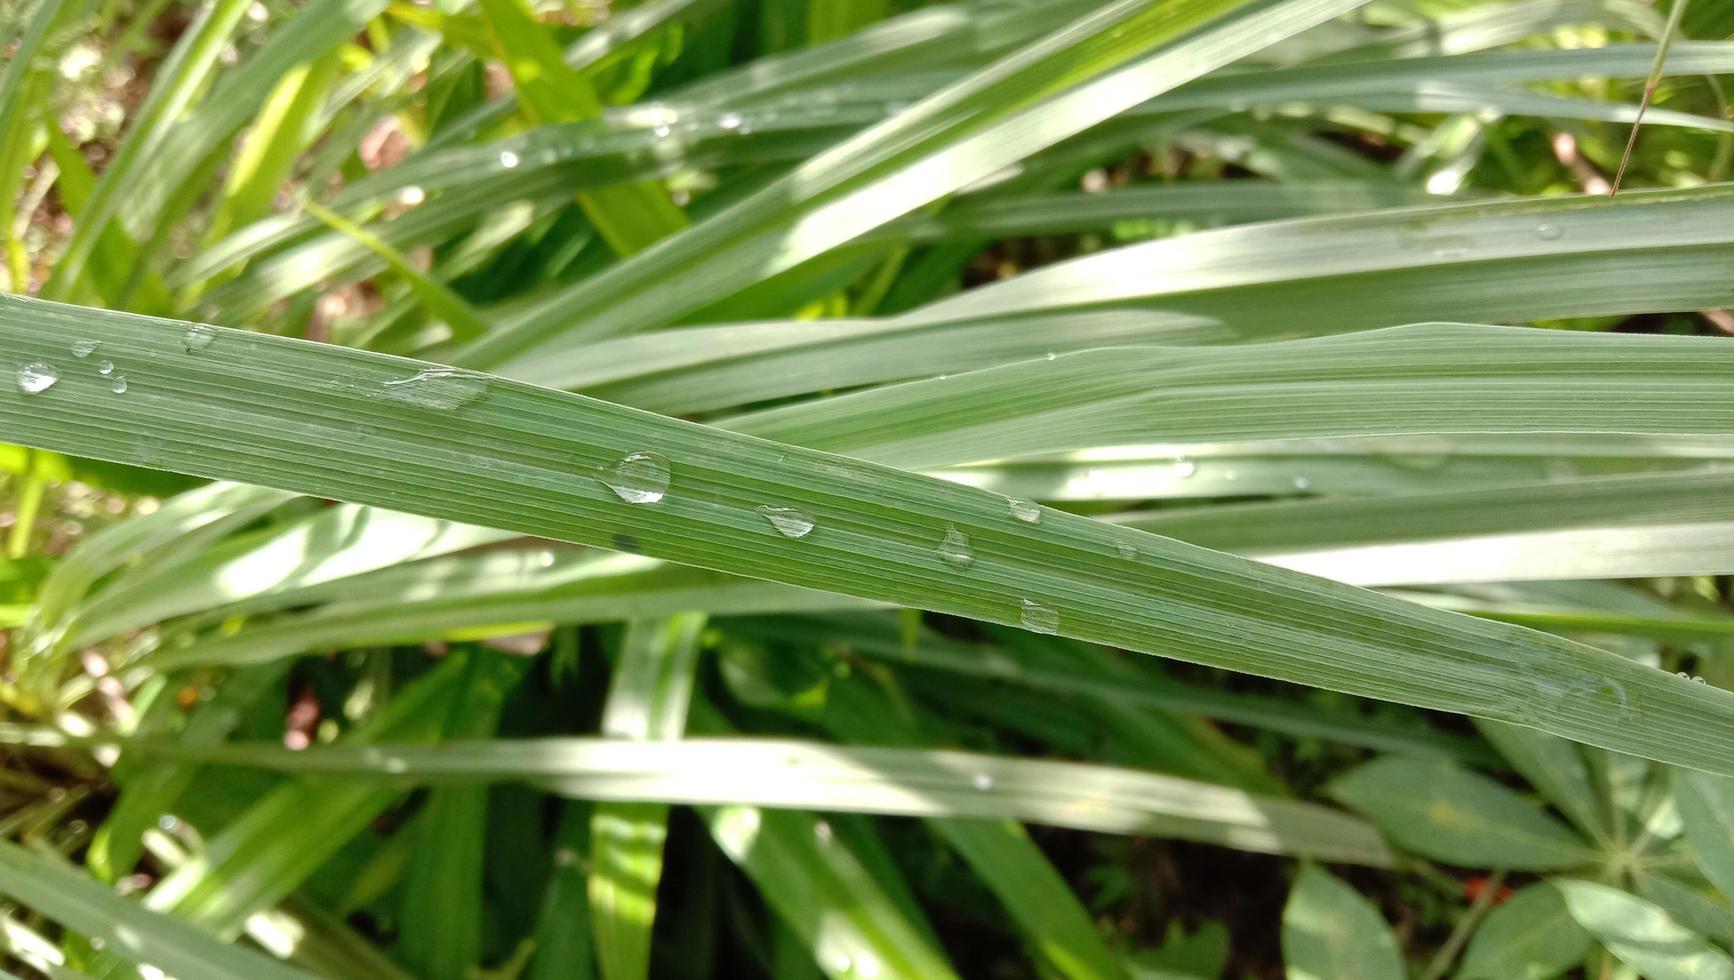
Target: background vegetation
<point>688,487</point>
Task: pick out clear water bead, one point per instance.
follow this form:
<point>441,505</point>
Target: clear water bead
<point>119,385</point>
<point>105,368</point>
<point>198,337</point>
<point>84,348</point>
<point>639,478</point>
<point>508,159</point>
<point>788,521</point>
<point>1027,511</point>
<point>1185,468</point>
<point>1125,550</point>
<point>36,377</point>
<point>1038,618</point>
<point>954,548</point>
<point>442,389</point>
<point>982,781</point>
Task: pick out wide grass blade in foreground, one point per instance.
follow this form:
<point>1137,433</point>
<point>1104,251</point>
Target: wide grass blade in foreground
<point>467,447</point>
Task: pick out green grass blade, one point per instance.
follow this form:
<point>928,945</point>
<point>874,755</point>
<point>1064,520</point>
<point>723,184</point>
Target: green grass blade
<point>1000,853</point>
<point>268,153</point>
<point>631,217</point>
<point>249,571</point>
<point>1495,261</point>
<point>647,700</point>
<point>318,29</point>
<point>271,849</point>
<point>470,448</point>
<point>1649,524</point>
<point>809,775</point>
<point>1676,11</point>
<point>126,928</point>
<point>877,638</point>
<point>179,79</point>
<point>1439,379</point>
<point>441,936</point>
<point>825,894</point>
<point>22,81</point>
<point>464,322</point>
<point>992,119</point>
<point>564,945</point>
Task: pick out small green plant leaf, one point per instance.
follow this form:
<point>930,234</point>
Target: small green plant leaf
<point>1641,935</point>
<point>1330,932</point>
<point>1444,812</point>
<point>1530,937</point>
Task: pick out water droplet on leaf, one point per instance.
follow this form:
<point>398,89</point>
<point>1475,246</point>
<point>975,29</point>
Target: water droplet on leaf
<point>442,389</point>
<point>982,781</point>
<point>1185,468</point>
<point>1027,511</point>
<point>198,337</point>
<point>954,548</point>
<point>1549,233</point>
<point>84,348</point>
<point>1125,550</point>
<point>1038,618</point>
<point>508,159</point>
<point>36,377</point>
<point>105,368</point>
<point>119,385</point>
<point>639,478</point>
<point>790,522</point>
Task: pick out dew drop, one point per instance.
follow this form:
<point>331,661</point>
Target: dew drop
<point>119,385</point>
<point>661,131</point>
<point>105,368</point>
<point>954,548</point>
<point>982,781</point>
<point>790,522</point>
<point>442,389</point>
<point>36,377</point>
<point>1698,679</point>
<point>639,478</point>
<point>1125,550</point>
<point>508,159</point>
<point>84,348</point>
<point>1302,483</point>
<point>1682,675</point>
<point>1549,233</point>
<point>411,196</point>
<point>1038,618</point>
<point>729,120</point>
<point>1027,511</point>
<point>1052,355</point>
<point>1185,468</point>
<point>198,337</point>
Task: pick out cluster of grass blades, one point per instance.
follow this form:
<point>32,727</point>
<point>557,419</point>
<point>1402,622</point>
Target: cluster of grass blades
<point>1167,489</point>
